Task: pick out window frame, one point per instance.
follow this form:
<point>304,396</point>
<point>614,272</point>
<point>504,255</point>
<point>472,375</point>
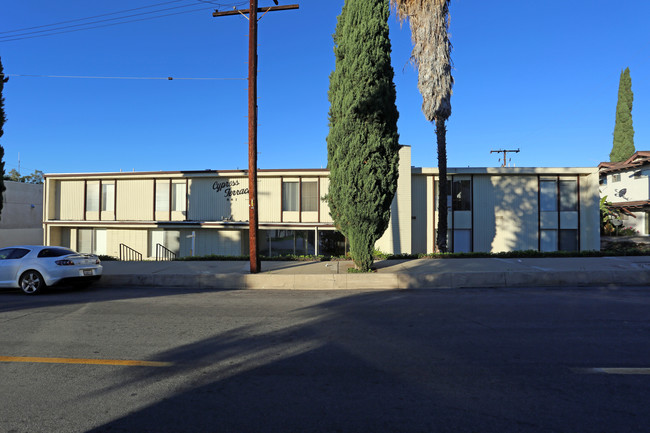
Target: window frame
<point>292,193</point>
<point>312,199</point>
<point>162,195</point>
<point>93,195</point>
<point>107,196</point>
<point>568,203</point>
<point>178,204</point>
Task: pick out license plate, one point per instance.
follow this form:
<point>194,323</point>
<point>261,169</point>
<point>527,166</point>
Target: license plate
<point>88,272</point>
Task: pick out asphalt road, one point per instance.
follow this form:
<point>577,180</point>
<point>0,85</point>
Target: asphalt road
<point>479,360</point>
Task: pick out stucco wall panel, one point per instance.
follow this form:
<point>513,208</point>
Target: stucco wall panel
<point>589,212</point>
<point>397,237</point>
<point>133,238</point>
<point>218,199</point>
<point>505,213</point>
<point>135,200</point>
<point>269,194</point>
<point>72,200</point>
<point>325,216</point>
<point>209,241</point>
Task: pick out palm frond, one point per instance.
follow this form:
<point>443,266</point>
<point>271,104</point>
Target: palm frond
<point>429,23</point>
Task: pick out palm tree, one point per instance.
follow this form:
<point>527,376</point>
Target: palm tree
<point>429,22</point>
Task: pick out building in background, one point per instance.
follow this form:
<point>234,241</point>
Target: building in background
<point>21,221</point>
<point>206,212</point>
<point>627,187</point>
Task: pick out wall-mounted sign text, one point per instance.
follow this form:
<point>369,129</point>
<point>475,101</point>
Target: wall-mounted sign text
<point>229,188</point>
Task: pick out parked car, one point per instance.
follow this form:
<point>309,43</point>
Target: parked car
<point>33,268</point>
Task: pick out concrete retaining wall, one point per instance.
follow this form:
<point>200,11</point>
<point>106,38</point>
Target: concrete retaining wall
<point>380,281</point>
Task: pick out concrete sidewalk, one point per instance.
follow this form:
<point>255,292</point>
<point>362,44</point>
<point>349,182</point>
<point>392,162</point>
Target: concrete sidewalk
<point>391,274</point>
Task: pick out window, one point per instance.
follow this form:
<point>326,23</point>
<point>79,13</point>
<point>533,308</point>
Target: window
<point>91,241</point>
<point>569,240</point>
<point>284,242</point>
<point>18,253</point>
<point>616,177</point>
<point>332,243</point>
<point>460,195</point>
<point>309,197</point>
<point>92,196</point>
<point>13,253</point>
<point>462,241</point>
<point>637,174</point>
<point>548,196</point>
<point>568,195</point>
<point>54,252</point>
<point>108,196</point>
<point>548,241</point>
<point>290,196</point>
<point>179,193</point>
<point>162,196</point>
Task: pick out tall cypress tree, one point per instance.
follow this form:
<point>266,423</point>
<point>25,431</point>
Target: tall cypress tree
<point>3,80</point>
<point>362,145</point>
<point>623,146</point>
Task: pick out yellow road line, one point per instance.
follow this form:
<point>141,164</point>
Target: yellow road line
<point>125,362</point>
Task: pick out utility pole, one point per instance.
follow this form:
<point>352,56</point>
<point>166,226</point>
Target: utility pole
<point>504,151</point>
<point>252,121</point>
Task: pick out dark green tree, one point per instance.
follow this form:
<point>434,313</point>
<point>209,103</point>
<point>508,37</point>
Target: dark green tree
<point>623,146</point>
<point>362,144</point>
<point>3,80</point>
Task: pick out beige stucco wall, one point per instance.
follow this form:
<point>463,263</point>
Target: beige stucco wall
<point>218,199</point>
<point>70,196</point>
<point>397,237</point>
<point>505,213</point>
<point>21,220</point>
<point>589,212</point>
<point>135,199</point>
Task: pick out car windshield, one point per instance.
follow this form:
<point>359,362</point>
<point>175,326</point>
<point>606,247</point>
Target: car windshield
<point>55,252</point>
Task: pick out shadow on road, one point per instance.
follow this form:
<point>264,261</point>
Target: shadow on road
<point>404,361</point>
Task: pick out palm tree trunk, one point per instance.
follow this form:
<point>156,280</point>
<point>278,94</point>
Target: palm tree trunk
<point>441,235</point>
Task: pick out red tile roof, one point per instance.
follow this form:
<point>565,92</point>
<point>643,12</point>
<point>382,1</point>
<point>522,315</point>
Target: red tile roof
<point>639,159</point>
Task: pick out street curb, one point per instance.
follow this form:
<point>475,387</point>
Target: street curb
<point>380,281</point>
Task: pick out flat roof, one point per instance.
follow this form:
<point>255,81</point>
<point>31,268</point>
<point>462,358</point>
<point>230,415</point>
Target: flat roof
<point>306,172</point>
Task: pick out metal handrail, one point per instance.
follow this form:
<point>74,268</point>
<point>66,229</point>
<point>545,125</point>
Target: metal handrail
<point>129,254</point>
<point>164,253</point>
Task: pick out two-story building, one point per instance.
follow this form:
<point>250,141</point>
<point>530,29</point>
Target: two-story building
<point>626,185</point>
<point>206,212</point>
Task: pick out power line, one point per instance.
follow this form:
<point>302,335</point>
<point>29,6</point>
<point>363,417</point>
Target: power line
<point>49,32</point>
<point>118,13</point>
<point>122,78</point>
<point>88,18</point>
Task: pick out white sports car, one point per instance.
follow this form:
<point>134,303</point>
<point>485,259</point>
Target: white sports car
<point>33,268</point>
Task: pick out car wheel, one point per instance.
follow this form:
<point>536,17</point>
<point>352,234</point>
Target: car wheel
<point>31,282</point>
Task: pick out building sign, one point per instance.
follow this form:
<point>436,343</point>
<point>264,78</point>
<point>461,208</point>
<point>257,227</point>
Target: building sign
<point>230,189</point>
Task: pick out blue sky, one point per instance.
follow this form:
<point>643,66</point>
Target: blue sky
<point>539,76</point>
